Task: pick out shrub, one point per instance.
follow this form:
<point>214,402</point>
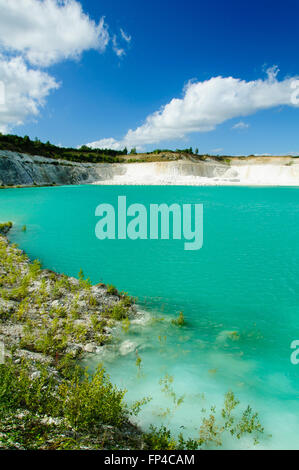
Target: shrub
<point>111,289</point>
<point>118,312</point>
<point>161,439</point>
<point>4,228</point>
<point>84,401</point>
<point>92,400</point>
<point>180,321</point>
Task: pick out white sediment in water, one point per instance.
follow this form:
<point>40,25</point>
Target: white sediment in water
<point>264,171</point>
<point>199,389</point>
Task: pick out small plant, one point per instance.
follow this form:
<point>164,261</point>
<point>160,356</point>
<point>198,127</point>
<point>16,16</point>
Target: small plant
<point>111,290</point>
<point>138,362</point>
<point>162,339</point>
<point>34,269</point>
<point>126,325</point>
<point>136,407</point>
<point>167,388</point>
<point>126,299</point>
<point>81,275</point>
<point>118,312</point>
<point>180,321</point>
<point>92,301</point>
<point>161,439</point>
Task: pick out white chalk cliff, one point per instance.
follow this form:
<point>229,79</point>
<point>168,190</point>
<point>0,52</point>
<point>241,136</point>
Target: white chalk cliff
<point>21,169</point>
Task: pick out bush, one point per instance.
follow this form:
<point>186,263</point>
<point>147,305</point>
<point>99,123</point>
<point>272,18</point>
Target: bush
<point>118,312</point>
<point>180,321</point>
<point>92,400</point>
<point>84,400</point>
<point>161,439</point>
<point>4,228</point>
<point>111,289</point>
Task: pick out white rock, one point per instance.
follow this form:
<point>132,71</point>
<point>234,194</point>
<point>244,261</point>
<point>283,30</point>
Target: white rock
<point>90,348</point>
<point>127,347</point>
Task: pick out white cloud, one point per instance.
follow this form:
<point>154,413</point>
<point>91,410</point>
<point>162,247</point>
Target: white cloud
<point>108,144</point>
<point>48,31</point>
<point>41,33</point>
<point>25,91</point>
<point>119,51</point>
<point>241,125</point>
<point>208,104</point>
<point>126,37</point>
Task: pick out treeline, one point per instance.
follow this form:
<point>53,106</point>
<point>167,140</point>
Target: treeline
<point>24,144</point>
<point>189,151</point>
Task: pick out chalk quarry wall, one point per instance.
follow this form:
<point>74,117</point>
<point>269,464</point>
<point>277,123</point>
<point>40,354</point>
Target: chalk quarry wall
<point>22,169</point>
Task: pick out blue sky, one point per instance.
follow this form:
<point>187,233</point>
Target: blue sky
<point>101,94</point>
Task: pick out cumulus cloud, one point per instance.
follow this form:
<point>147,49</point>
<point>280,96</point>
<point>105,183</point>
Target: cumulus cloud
<point>207,104</point>
<point>241,125</point>
<point>24,91</point>
<point>48,31</point>
<point>108,144</point>
<point>35,34</point>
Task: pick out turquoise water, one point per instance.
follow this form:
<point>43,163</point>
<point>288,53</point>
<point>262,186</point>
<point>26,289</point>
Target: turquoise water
<point>245,279</point>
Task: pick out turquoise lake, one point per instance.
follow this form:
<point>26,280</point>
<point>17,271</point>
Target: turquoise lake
<point>239,295</point>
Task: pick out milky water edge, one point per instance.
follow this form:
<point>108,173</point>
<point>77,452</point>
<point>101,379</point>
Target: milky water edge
<point>239,295</point>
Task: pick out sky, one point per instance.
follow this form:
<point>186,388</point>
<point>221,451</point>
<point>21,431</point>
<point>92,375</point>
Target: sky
<point>219,76</point>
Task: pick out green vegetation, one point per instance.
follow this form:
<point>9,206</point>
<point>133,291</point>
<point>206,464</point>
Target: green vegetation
<point>182,151</point>
<point>180,321</point>
<point>118,312</point>
<point>79,406</point>
<point>212,428</point>
<point>167,388</point>
<point>47,401</point>
<point>138,363</point>
<point>161,439</point>
<point>15,143</point>
<point>111,289</point>
<point>89,155</point>
<point>4,228</point>
<point>47,306</point>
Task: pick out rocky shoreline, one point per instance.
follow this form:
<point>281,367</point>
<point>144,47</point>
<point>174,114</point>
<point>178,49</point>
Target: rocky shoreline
<point>47,322</point>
